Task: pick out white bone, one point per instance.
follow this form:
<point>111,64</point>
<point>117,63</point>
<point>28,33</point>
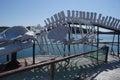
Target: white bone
<point>60,17</point>
<point>68,15</point>
<point>83,15</point>
<point>99,18</point>
<point>88,16</point>
<point>115,21</point>
<point>16,38</point>
<point>76,14</point>
<point>56,18</point>
<point>73,13</point>
<point>52,19</point>
<point>112,22</point>
<point>109,21</point>
<point>91,16</point>
<point>102,21</point>
<point>116,26</point>
<point>94,19</point>
<point>80,14</point>
<point>63,15</point>
<point>105,21</point>
<point>48,20</point>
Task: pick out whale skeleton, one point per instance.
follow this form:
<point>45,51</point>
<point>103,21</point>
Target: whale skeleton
<point>88,18</point>
<point>82,23</point>
<point>15,39</point>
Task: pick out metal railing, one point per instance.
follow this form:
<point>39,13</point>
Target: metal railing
<point>68,67</point>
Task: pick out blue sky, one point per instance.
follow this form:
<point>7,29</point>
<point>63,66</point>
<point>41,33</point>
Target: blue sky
<point>33,12</point>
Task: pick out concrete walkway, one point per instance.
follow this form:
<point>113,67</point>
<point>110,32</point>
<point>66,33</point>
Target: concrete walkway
<point>110,71</point>
<point>85,71</point>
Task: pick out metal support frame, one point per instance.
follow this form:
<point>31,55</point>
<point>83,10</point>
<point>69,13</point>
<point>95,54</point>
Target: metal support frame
<point>113,43</point>
<point>97,42</point>
<point>69,36</point>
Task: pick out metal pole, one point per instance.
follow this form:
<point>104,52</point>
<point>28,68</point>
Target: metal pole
<point>106,54</point>
<point>118,44</point>
<point>52,68</point>
<point>97,42</point>
<point>34,52</point>
<point>113,43</point>
<point>69,36</point>
<point>7,58</point>
<point>14,57</point>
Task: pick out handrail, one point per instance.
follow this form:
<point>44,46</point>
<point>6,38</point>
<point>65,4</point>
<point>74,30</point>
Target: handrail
<point>52,61</point>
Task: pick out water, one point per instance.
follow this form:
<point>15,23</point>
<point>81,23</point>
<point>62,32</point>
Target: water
<point>59,50</point>
<point>109,38</point>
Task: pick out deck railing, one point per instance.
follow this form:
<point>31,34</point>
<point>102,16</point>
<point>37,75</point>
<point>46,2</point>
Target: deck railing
<point>65,68</point>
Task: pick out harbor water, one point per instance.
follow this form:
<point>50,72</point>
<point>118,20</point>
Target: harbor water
<point>58,50</point>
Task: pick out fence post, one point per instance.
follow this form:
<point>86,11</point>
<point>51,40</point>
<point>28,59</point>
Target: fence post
<point>106,58</point>
<point>34,52</point>
<point>106,48</point>
<point>7,58</point>
<point>52,68</point>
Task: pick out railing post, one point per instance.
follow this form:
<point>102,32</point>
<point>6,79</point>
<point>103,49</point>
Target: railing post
<point>14,56</point>
<point>34,52</point>
<point>7,58</point>
<point>118,45</point>
<point>97,43</point>
<point>52,68</point>
<point>69,37</point>
<point>106,48</point>
<point>106,58</point>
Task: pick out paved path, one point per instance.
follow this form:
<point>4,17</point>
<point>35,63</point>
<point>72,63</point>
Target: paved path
<point>110,71</point>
